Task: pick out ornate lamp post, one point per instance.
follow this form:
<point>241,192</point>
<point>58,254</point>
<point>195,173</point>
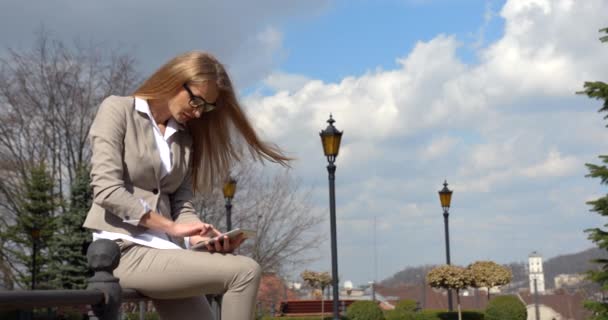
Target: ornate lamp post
<point>229,191</point>
<point>330,138</point>
<point>445,196</point>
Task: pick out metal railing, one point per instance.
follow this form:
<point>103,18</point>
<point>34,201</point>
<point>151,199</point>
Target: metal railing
<point>103,292</point>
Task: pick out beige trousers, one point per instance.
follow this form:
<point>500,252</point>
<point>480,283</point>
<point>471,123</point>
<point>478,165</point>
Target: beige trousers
<point>177,281</point>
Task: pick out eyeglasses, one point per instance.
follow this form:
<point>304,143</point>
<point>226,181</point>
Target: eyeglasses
<point>198,102</point>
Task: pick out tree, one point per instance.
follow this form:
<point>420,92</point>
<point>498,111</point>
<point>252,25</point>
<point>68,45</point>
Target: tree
<point>49,95</point>
<point>313,279</point>
<point>450,277</point>
<point>29,236</point>
<point>489,274</point>
<point>599,90</point>
<point>273,205</point>
<point>71,239</point>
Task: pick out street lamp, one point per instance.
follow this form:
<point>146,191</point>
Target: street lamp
<point>35,233</point>
<point>330,138</point>
<point>445,196</point>
<point>229,191</point>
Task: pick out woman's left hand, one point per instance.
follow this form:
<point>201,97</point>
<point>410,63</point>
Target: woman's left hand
<point>224,245</point>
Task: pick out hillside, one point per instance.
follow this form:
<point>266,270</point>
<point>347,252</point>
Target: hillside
<point>569,263</point>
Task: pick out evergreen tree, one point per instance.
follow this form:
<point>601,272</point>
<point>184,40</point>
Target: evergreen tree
<point>599,90</point>
<point>30,233</point>
<point>71,239</point>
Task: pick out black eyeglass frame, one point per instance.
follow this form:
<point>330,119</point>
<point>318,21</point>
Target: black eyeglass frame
<point>198,102</point>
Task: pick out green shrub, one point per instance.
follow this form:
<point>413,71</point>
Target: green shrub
<point>364,310</point>
<point>407,305</point>
<point>302,318</point>
<point>446,315</point>
<point>398,315</point>
<point>426,315</point>
<point>466,315</point>
<point>506,308</point>
<point>147,316</point>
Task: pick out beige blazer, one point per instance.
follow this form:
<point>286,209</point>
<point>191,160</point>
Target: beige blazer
<point>125,167</point>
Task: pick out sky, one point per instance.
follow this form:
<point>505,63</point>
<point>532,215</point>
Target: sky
<point>478,92</point>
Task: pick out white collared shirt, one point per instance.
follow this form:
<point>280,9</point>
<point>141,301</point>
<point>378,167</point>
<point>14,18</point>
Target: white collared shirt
<point>151,238</point>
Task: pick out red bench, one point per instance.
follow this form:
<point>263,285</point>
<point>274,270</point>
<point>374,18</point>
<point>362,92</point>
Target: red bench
<point>294,308</point>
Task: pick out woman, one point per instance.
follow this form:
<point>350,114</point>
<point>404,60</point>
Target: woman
<point>179,133</point>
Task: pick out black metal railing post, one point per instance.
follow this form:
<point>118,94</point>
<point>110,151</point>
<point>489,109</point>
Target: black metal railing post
<point>103,257</point>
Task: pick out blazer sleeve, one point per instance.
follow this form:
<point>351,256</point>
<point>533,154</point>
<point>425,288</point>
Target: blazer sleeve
<point>182,209</point>
<point>107,143</point>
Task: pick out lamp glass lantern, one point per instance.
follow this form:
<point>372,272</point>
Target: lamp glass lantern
<point>445,196</point>
<point>331,138</point>
<point>229,188</point>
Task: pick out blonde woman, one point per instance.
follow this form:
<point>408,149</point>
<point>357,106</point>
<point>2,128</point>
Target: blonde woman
<point>179,133</point>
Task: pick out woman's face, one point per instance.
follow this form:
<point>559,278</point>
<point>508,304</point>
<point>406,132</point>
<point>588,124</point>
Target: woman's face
<point>179,105</point>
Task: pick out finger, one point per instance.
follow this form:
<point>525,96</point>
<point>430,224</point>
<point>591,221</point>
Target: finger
<point>226,244</point>
<point>217,232</point>
<point>210,248</point>
<point>218,245</point>
<point>211,232</point>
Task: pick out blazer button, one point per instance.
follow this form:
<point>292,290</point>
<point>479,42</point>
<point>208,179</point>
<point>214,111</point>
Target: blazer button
<point>155,191</point>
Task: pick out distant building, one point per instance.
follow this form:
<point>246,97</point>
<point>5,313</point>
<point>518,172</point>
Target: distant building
<point>535,270</point>
<point>568,280</point>
<point>562,306</point>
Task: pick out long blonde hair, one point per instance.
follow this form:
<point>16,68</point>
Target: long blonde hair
<point>214,148</point>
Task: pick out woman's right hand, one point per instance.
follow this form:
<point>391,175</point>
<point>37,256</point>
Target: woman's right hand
<point>192,229</point>
<point>158,222</point>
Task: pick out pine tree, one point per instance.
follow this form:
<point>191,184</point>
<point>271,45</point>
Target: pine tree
<point>71,239</point>
<point>30,234</point>
<point>599,90</point>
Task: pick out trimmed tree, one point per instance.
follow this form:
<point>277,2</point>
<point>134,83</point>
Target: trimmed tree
<point>489,274</point>
<point>599,90</point>
<point>450,277</point>
<point>316,279</point>
<point>319,280</point>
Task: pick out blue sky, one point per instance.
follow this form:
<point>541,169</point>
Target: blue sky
<point>352,37</point>
<point>480,93</point>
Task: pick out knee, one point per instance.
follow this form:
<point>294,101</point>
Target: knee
<point>252,268</point>
<point>249,271</point>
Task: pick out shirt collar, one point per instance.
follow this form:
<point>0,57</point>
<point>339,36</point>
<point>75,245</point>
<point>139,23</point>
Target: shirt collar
<point>142,106</point>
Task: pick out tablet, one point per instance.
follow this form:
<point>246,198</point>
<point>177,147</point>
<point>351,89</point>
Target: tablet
<point>231,235</point>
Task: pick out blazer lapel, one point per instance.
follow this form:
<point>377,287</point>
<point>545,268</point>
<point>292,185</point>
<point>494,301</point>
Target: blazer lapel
<point>147,133</point>
<point>180,149</point>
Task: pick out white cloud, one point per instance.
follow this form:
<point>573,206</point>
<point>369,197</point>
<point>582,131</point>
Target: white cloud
<point>281,81</point>
<point>554,166</point>
<point>439,147</point>
<point>505,131</point>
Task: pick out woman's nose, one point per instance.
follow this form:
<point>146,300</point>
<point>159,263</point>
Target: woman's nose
<point>198,113</point>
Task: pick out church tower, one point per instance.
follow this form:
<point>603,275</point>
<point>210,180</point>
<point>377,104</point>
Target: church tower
<point>535,270</point>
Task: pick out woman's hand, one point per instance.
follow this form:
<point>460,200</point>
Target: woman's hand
<point>221,245</point>
<point>192,229</point>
